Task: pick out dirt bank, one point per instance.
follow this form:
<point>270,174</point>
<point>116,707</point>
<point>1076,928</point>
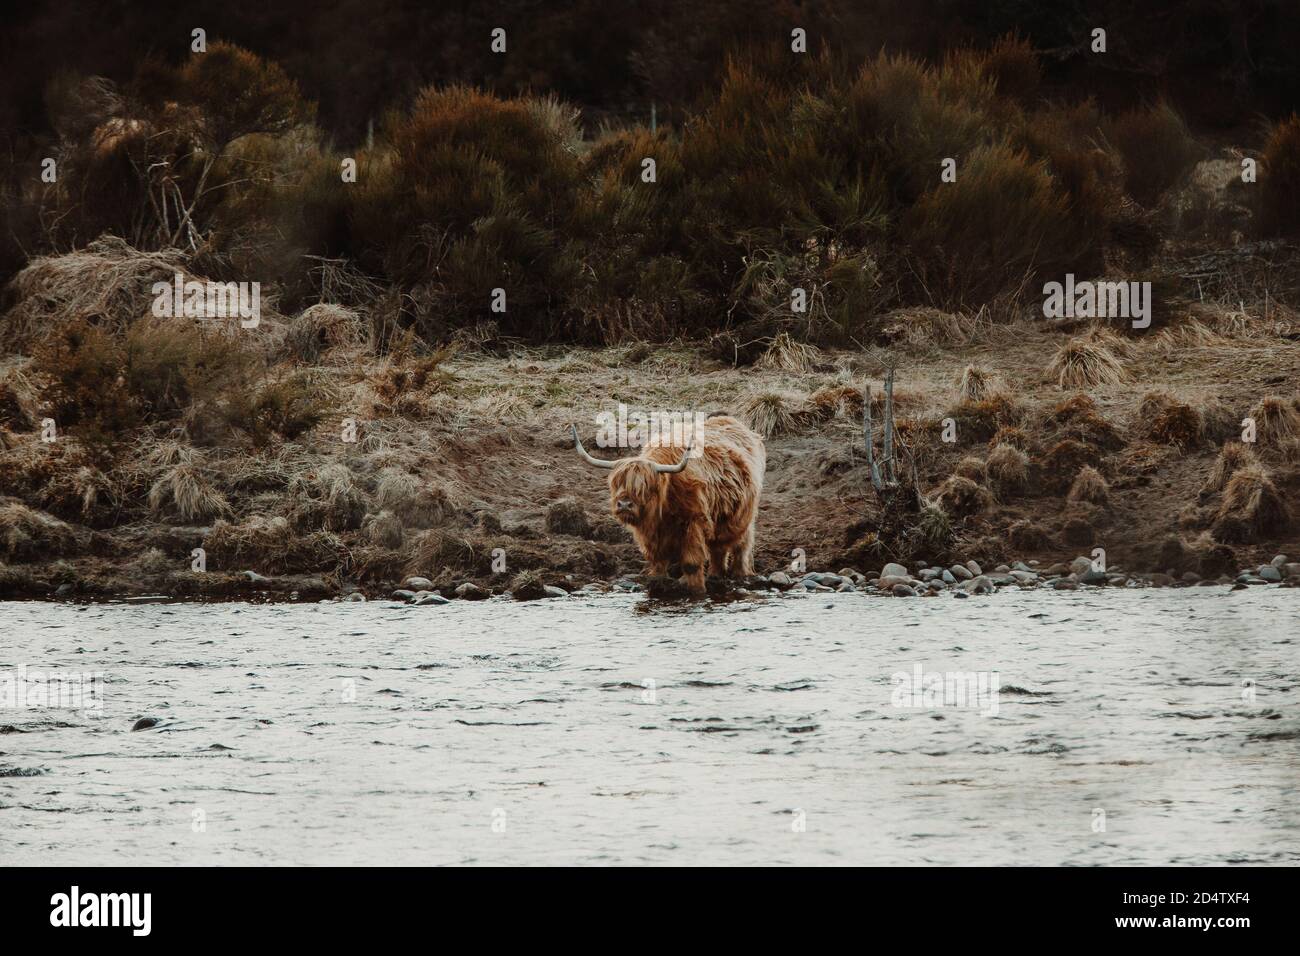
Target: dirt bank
<point>461,469</point>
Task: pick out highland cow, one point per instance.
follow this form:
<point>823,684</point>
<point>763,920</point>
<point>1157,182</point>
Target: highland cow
<point>686,510</point>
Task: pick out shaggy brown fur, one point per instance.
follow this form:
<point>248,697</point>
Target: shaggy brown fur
<point>703,514</point>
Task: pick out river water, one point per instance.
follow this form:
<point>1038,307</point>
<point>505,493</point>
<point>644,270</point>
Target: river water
<point>1129,727</point>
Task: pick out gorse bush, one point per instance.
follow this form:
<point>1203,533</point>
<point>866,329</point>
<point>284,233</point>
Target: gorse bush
<point>1157,150</point>
<point>817,173</point>
<point>479,193</point>
<point>1280,178</point>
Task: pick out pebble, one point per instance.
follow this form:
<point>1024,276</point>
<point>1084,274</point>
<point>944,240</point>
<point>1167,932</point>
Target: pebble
<point>470,591</point>
<point>425,598</point>
<point>974,568</point>
<point>962,572</point>
<point>144,723</point>
<point>402,594</point>
<point>779,579</point>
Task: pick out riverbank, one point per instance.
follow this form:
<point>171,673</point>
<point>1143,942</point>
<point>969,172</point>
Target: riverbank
<point>459,468</point>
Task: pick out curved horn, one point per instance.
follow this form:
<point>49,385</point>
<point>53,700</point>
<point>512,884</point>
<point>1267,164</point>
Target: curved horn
<point>673,469</point>
<point>598,462</point>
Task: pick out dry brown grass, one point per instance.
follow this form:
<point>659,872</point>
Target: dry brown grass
<point>972,468</point>
<point>29,535</point>
<point>980,421</point>
<point>429,553</point>
<point>924,327</point>
<point>1277,422</point>
<point>771,413</point>
<point>960,497</point>
<point>328,498</point>
<point>419,503</point>
<point>977,384</point>
<point>1060,463</point>
<point>270,545</point>
<point>1028,536</point>
<point>1090,486</point>
<point>1252,508</point>
<point>836,401</point>
<point>1078,417</point>
<point>1232,457</point>
<point>182,493</point>
<point>383,530</point>
<point>325,331</point>
<point>784,354</point>
<point>1166,420</point>
<point>1008,471</point>
<point>1012,435</point>
<point>1085,363</point>
<point>108,283</point>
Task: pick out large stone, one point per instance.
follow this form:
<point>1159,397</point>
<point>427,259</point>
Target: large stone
<point>1270,572</point>
<point>893,570</point>
<point>417,584</point>
<point>1279,560</point>
<point>469,591</point>
<point>779,579</point>
<point>974,568</point>
<point>902,590</point>
<point>893,580</point>
<point>1080,566</point>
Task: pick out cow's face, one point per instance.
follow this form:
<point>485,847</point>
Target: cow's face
<point>633,489</point>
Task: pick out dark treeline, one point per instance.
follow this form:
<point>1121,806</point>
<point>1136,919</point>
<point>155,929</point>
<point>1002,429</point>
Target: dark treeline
<point>1219,60</point>
<point>777,172</point>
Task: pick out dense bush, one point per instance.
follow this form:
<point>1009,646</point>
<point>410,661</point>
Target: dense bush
<point>1280,178</point>
<point>810,178</point>
<point>1157,150</point>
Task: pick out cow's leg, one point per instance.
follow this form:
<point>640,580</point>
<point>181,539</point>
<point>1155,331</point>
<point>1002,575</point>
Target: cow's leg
<point>742,555</point>
<point>695,552</point>
<point>717,560</point>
